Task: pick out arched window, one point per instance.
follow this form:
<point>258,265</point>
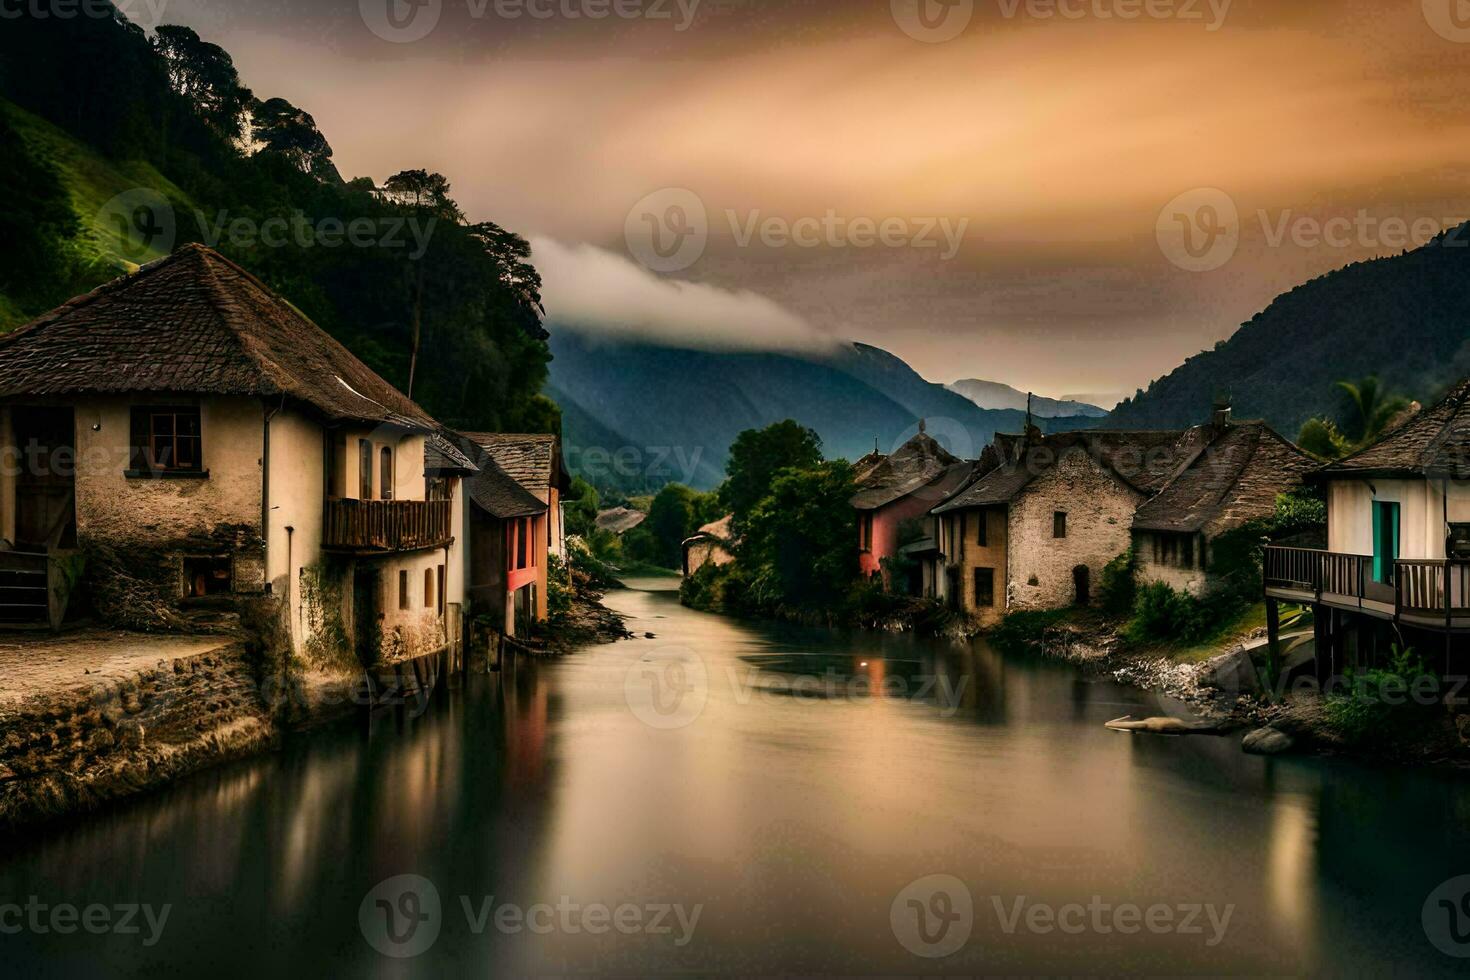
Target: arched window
<point>385,473</point>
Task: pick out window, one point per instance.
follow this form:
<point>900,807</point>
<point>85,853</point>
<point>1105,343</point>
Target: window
<point>385,473</point>
<point>167,439</point>
<point>439,582</point>
<point>521,535</point>
<point>865,531</point>
<point>208,575</point>
<point>1187,552</point>
<point>984,588</point>
<point>1059,524</point>
<point>403,602</point>
<point>982,533</point>
<point>364,469</point>
<point>1385,541</point>
<point>428,588</point>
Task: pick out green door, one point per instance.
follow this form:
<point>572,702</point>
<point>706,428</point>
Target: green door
<point>1385,540</point>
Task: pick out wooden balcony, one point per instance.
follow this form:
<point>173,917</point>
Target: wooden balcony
<point>386,525</point>
<point>1427,593</point>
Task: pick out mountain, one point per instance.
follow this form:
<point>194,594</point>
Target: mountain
<point>993,394</point>
<point>1404,318</point>
<point>679,409</point>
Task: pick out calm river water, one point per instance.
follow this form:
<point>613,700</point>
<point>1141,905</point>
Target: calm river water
<point>733,798</point>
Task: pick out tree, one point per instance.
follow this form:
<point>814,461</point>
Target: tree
<point>278,128</point>
<point>757,455</point>
<point>1370,412</point>
<point>1321,438</point>
<point>582,504</point>
<point>797,544</point>
<point>1373,409</point>
<point>205,74</point>
<point>674,515</point>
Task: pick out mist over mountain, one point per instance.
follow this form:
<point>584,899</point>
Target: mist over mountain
<point>994,394</point>
<point>679,408</point>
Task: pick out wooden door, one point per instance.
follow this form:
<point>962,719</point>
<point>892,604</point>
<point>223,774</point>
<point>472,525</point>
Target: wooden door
<point>45,487</point>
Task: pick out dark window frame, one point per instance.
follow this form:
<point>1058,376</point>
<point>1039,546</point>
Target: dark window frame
<point>982,533</point>
<point>158,440</point>
<point>385,472</point>
<point>366,462</point>
<point>984,597</point>
<point>1059,525</point>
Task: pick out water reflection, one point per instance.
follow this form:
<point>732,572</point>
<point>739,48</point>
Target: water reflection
<point>824,774</point>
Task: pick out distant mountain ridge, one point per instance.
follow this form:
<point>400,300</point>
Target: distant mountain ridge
<point>1404,318</point>
<point>993,394</point>
<point>638,414</point>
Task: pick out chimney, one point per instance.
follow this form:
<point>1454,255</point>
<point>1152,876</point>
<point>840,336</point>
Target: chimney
<point>1220,417</point>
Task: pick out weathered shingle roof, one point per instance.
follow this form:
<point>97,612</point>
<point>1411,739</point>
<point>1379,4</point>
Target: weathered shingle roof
<point>1234,478</point>
<point>194,322</point>
<point>491,488</point>
<point>441,455</point>
<point>1434,443</point>
<point>1143,460</point>
<point>620,520</point>
<point>915,465</point>
<point>530,459</point>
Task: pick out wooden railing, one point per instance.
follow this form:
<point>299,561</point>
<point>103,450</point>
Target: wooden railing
<point>1421,587</point>
<point>1433,588</point>
<point>386,525</point>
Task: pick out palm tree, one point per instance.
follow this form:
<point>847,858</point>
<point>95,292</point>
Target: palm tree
<point>1375,408</point>
<point>1373,412</point>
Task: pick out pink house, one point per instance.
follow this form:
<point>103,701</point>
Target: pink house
<point>896,493</point>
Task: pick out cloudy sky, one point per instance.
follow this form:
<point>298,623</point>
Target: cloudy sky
<point>1066,195</point>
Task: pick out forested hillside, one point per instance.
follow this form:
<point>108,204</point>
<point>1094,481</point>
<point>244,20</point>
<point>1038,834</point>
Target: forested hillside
<point>1405,319</point>
<point>116,147</point>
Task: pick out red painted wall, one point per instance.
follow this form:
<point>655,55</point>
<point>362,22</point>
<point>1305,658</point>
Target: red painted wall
<point>885,529</point>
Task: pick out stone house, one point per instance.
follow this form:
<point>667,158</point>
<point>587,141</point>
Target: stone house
<point>1037,529</point>
<point>184,439</point>
<point>518,523</point>
<point>1232,475</point>
<point>896,493</point>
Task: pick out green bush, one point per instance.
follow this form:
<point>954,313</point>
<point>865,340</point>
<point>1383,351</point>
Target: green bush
<point>1161,614</point>
<point>1384,700</point>
<point>1119,584</point>
<point>1022,631</point>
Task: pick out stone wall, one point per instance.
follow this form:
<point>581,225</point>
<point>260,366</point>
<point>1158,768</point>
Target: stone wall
<point>74,749</point>
<point>963,529</point>
<point>1151,569</point>
<point>1099,509</point>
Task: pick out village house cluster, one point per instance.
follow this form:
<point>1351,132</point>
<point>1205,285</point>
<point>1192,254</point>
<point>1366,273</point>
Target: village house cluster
<point>1033,522</point>
<point>182,445</point>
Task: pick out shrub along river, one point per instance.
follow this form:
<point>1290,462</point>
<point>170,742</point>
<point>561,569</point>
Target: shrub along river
<point>738,798</point>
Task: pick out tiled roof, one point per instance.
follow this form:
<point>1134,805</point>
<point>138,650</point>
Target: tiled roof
<point>530,459</point>
<point>1143,460</point>
<point>620,520</point>
<point>915,465</point>
<point>1435,442</point>
<point>492,489</point>
<point>441,455</point>
<point>194,322</point>
<point>1235,478</point>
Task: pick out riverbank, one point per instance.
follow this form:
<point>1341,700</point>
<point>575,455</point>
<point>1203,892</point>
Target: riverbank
<point>1226,684</point>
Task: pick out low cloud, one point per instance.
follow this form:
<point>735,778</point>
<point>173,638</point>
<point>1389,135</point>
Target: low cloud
<point>598,292</point>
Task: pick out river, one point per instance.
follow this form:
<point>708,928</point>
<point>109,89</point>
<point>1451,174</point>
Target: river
<point>753,799</point>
